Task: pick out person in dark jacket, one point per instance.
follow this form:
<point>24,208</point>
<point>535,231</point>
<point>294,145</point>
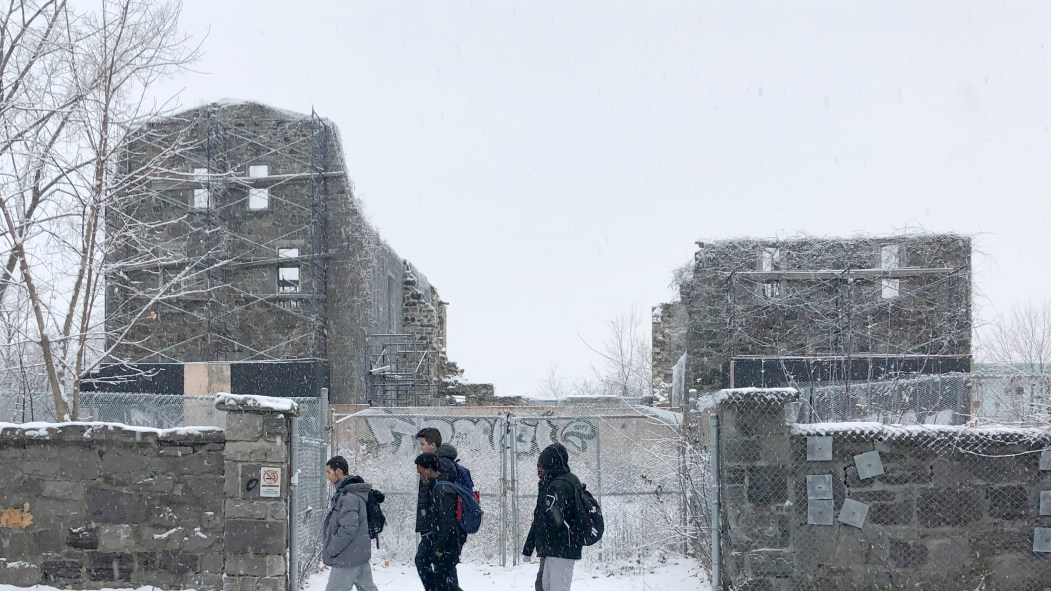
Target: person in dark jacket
<point>551,534</point>
<point>439,549</point>
<point>347,546</point>
<point>429,440</point>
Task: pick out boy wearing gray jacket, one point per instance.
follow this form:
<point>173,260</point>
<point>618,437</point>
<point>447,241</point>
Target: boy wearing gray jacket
<point>347,546</point>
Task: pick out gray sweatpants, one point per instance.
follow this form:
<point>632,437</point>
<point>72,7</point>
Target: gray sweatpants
<point>555,574</point>
<point>344,578</point>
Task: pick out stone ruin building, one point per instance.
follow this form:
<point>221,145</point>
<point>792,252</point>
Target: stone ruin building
<point>241,261</point>
<point>769,313</point>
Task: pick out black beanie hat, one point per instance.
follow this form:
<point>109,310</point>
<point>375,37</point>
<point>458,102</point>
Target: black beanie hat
<point>554,458</point>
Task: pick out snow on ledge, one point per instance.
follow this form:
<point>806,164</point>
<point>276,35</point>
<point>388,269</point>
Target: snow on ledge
<point>100,430</point>
<point>1002,434</point>
<point>755,396</point>
<point>247,403</point>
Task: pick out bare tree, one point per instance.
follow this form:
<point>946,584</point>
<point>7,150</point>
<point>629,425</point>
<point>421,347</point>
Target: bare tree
<point>1022,339</point>
<point>554,385</point>
<point>625,369</point>
<point>1018,388</point>
<point>75,87</point>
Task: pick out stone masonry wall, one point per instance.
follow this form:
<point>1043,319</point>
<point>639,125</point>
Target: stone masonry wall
<point>256,536</point>
<point>101,505</point>
<point>954,508</point>
<point>94,505</point>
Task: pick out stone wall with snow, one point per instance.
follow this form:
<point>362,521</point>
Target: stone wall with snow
<point>96,505</point>
<point>104,505</point>
<point>870,506</point>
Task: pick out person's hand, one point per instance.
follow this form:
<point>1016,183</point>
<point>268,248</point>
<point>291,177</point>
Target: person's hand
<point>438,553</point>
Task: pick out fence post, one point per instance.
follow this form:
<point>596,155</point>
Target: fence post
<point>503,489</point>
<point>714,424</point>
<point>513,434</point>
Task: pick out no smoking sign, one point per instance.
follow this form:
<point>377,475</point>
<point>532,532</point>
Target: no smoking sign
<point>269,482</point>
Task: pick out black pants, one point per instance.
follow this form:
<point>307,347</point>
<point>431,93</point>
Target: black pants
<point>437,573</point>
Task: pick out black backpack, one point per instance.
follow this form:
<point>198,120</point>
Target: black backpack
<point>375,514</point>
<point>588,524</point>
<point>373,511</point>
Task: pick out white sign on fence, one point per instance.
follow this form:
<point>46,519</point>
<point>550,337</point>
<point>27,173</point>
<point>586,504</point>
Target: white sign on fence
<point>269,482</point>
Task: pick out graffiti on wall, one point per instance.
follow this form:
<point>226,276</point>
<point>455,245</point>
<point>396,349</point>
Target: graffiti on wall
<point>483,433</point>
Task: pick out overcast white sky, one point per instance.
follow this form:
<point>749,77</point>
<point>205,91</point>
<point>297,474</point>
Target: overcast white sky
<point>548,163</point>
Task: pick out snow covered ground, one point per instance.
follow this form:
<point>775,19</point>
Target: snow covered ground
<point>682,575</point>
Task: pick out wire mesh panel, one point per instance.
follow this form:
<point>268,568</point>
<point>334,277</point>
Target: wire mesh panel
<point>161,411</point>
<point>867,505</point>
<point>309,502</point>
<point>381,447</point>
<point>930,399</point>
<point>631,460</point>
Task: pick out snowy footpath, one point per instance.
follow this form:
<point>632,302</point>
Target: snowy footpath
<point>683,575</point>
<point>673,576</point>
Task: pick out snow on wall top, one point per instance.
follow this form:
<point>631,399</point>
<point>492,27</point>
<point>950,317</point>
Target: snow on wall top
<point>99,430</point>
<point>755,396</point>
<point>247,403</point>
<point>1001,434</point>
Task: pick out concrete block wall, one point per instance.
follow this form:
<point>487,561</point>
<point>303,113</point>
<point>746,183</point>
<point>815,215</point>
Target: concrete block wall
<point>956,508</point>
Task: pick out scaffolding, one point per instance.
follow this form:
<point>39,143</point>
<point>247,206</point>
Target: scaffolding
<point>206,281</point>
<point>857,309</point>
<point>401,370</point>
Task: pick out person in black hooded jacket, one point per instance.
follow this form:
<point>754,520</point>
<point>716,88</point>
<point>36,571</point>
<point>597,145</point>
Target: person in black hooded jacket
<point>551,535</point>
<point>439,550</point>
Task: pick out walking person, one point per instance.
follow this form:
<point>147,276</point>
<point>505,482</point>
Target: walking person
<point>441,542</point>
<point>347,546</point>
<point>552,534</point>
<point>429,441</point>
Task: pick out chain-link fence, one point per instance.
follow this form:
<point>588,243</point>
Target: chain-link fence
<point>309,494</point>
<point>632,460</point>
<point>874,505</point>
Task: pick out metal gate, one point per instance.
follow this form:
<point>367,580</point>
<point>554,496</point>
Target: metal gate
<point>630,458</point>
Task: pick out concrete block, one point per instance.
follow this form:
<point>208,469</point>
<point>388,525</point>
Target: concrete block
<point>263,537</point>
<point>948,507</point>
<point>48,541</point>
<point>770,563</point>
<point>83,538</point>
<point>243,426</point>
<point>247,564</point>
<point>18,573</point>
<point>263,451</point>
<point>1008,502</point>
<point>892,513</point>
<point>276,566</point>
<point>245,509</point>
<point>116,537</point>
<point>276,427</point>
<point>117,567</point>
<point>767,485</point>
<point>68,491</point>
<point>112,506</point>
<point>61,572</point>
<point>908,553</point>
